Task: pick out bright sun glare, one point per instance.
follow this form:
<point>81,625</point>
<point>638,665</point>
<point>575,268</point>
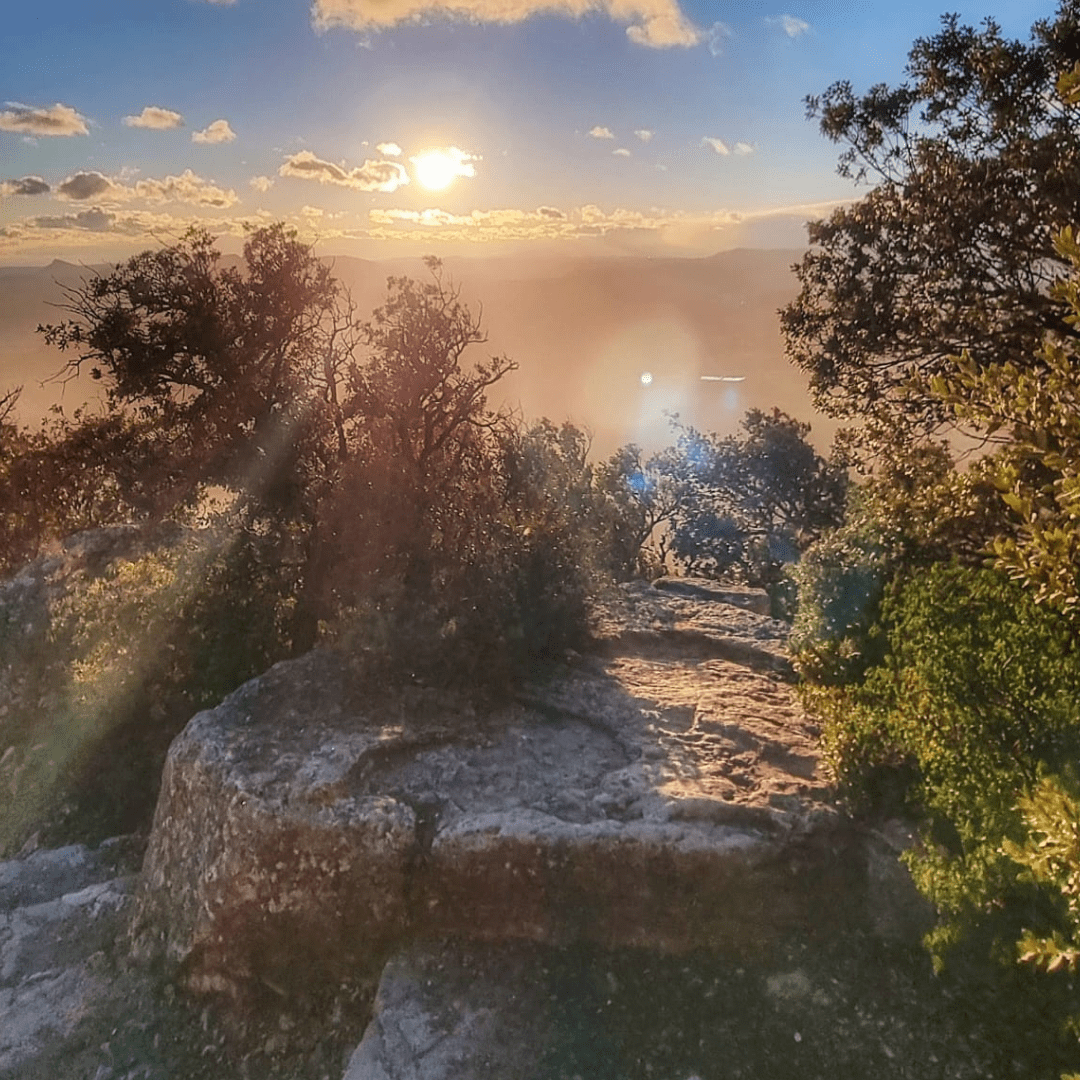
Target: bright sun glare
<point>436,169</point>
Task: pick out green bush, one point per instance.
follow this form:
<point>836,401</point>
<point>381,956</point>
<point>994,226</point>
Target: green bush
<point>916,509</point>
<point>974,698</point>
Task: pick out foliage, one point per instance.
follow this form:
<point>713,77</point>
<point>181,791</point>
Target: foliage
<point>974,161</point>
<point>1050,854</point>
<point>914,509</point>
<point>242,368</point>
<point>746,506</point>
<point>1038,409</point>
<point>644,497</point>
<point>973,699</point>
<point>129,654</point>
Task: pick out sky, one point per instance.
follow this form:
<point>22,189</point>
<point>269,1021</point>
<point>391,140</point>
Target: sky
<point>385,128</point>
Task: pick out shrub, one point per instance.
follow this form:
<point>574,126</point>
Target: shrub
<point>974,698</point>
<point>132,654</point>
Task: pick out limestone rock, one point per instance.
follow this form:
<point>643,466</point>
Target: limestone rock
<point>463,1011</point>
<point>643,797</point>
<point>61,915</point>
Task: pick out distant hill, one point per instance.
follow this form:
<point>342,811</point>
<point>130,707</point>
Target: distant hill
<point>583,330</point>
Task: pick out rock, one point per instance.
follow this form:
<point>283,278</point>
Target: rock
<point>443,1011</point>
<point>754,600</point>
<point>61,914</point>
<point>640,798</point>
<point>468,1011</point>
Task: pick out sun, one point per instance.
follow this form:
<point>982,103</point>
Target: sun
<point>436,169</point>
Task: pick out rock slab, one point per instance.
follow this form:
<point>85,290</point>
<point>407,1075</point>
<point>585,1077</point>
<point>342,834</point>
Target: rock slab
<point>648,796</point>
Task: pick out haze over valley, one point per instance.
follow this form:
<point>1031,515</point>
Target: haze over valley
<point>608,343</point>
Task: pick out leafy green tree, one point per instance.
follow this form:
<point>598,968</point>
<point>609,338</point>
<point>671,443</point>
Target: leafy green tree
<point>916,508</point>
<point>1036,406</point>
<point>973,159</point>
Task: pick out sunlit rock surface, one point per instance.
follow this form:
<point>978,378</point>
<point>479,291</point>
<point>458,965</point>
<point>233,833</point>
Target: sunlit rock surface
<point>658,794</point>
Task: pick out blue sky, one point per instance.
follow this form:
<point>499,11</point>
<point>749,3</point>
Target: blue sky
<point>391,127</point>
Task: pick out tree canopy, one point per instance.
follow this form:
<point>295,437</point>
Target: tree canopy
<point>975,162</point>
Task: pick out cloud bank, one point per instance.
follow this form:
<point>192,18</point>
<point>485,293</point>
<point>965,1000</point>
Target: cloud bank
<point>656,24</point>
<point>185,188</point>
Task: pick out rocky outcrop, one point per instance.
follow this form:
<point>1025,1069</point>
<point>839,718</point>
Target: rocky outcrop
<point>62,913</point>
<point>812,1010</point>
<point>659,794</point>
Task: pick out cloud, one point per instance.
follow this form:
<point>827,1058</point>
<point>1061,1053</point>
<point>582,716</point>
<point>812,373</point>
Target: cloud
<point>665,30</point>
<point>86,185</point>
<point>28,185</point>
<point>715,37</point>
<point>93,220</point>
<point>311,212</point>
<point>644,134</point>
<point>56,120</point>
<point>551,212</point>
<point>599,132</point>
<point>218,132</point>
<point>389,149</point>
<point>718,145</point>
<point>658,24</point>
<point>155,117</point>
<point>186,188</point>
<point>621,152</point>
<point>743,149</point>
<point>261,183</point>
<point>791,26</point>
<point>371,176</point>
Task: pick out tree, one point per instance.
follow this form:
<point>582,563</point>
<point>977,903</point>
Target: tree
<point>749,505</point>
<point>243,369</point>
<point>1038,471</point>
<point>644,498</point>
<point>976,159</point>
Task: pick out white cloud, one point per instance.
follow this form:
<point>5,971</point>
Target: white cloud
<point>371,176</point>
<point>389,149</point>
<point>743,149</point>
<point>716,35</point>
<point>186,188</point>
<point>311,212</point>
<point>56,120</point>
<point>621,152</point>
<point>27,185</point>
<point>644,134</point>
<point>718,145</point>
<point>153,116</point>
<point>791,26</point>
<point>261,183</point>
<point>218,132</point>
<point>658,24</point>
<point>599,132</point>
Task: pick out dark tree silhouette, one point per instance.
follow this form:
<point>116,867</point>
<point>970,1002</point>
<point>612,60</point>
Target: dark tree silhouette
<point>975,160</point>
